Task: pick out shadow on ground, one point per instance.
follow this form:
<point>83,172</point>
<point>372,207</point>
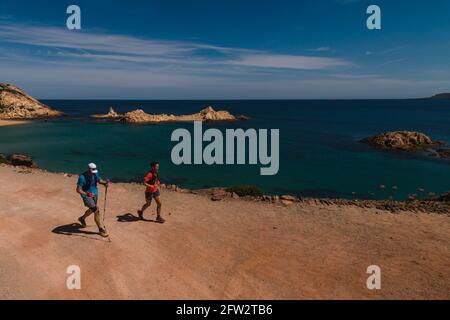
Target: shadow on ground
<point>129,217</point>
<point>75,229</point>
<point>72,228</point>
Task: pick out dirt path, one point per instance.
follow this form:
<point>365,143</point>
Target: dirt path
<point>232,249</point>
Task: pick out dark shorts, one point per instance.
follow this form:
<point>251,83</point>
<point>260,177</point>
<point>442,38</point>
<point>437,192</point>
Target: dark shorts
<point>90,203</point>
<point>150,195</point>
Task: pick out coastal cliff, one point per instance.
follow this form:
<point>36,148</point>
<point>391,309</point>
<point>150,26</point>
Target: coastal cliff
<point>16,104</point>
<point>441,96</point>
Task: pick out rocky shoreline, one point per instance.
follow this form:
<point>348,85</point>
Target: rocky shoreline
<point>436,205</point>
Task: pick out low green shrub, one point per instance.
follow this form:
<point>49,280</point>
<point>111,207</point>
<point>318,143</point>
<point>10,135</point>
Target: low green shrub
<point>246,190</point>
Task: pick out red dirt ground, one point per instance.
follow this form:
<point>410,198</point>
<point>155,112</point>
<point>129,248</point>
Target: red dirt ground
<point>231,249</point>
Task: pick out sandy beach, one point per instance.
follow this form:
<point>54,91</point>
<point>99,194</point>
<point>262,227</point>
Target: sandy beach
<point>4,123</point>
<point>229,249</point>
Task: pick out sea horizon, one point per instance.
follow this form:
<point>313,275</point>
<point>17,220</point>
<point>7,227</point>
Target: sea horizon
<point>229,99</point>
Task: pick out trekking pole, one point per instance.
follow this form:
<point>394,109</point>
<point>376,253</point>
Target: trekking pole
<point>104,205</point>
<point>104,210</point>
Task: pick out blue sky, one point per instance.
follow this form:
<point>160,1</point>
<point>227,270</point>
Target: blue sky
<point>231,49</point>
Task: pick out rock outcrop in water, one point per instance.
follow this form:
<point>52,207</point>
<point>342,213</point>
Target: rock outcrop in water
<point>207,114</point>
<point>16,104</point>
<point>401,140</point>
<point>140,116</point>
<point>112,114</point>
<point>409,141</point>
<point>18,160</point>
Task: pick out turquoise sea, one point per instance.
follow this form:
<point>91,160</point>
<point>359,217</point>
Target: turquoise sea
<point>320,154</point>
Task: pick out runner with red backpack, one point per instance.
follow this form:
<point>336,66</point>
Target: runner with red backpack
<point>151,181</point>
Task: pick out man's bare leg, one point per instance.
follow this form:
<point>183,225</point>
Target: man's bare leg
<point>98,219</point>
<point>87,213</point>
<point>144,207</point>
<point>158,210</point>
<point>101,227</point>
<point>82,219</point>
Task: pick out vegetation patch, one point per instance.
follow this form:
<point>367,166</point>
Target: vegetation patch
<point>246,190</point>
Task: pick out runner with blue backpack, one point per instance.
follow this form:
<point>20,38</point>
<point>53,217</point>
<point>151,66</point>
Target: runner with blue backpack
<point>87,188</point>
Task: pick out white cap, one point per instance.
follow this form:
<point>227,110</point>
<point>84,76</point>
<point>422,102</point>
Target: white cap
<point>92,167</point>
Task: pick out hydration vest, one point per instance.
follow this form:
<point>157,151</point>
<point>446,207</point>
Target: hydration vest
<point>87,179</point>
<point>154,178</point>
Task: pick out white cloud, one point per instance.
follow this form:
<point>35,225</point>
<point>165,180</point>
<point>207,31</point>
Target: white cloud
<point>322,49</point>
<point>392,61</point>
<point>105,48</point>
<point>52,62</point>
<point>385,51</point>
<point>354,76</point>
<point>288,61</point>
